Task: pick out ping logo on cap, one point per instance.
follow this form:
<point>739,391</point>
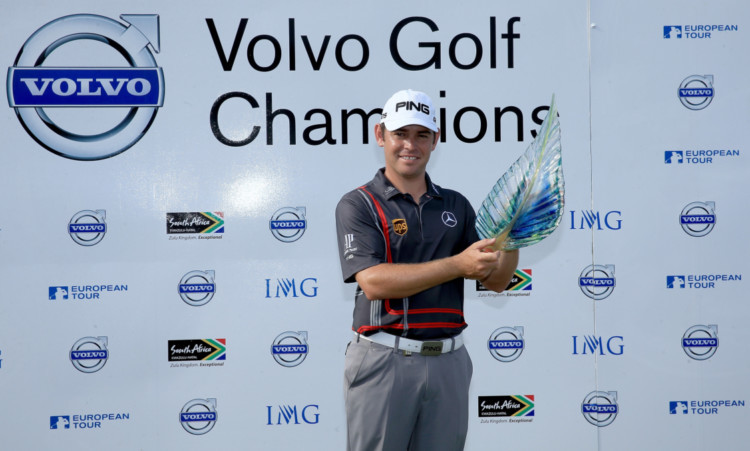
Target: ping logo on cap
<point>409,106</point>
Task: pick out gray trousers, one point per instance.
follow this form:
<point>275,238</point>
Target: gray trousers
<point>397,402</point>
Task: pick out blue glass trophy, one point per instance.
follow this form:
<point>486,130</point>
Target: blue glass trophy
<point>526,204</point>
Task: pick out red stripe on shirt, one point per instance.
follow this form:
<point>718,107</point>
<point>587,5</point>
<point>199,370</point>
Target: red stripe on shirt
<point>383,223</point>
<point>387,302</point>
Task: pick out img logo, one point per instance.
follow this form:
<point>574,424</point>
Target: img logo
<point>590,219</point>
<point>698,218</point>
<point>89,354</point>
<point>597,281</point>
<point>286,288</point>
<point>600,408</point>
<point>290,348</point>
<point>136,88</point>
<point>292,415</point>
<point>197,288</point>
<point>87,227</point>
<point>288,224</point>
<point>700,342</point>
<point>696,91</point>
<point>590,344</point>
<point>506,343</point>
<point>198,416</point>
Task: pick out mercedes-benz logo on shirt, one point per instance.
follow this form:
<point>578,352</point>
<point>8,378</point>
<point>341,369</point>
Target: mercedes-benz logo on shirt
<point>449,219</point>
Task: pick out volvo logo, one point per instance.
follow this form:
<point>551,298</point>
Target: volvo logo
<point>697,91</point>
<point>698,218</point>
<point>506,343</point>
<point>288,224</point>
<point>198,416</point>
<point>89,354</point>
<point>597,281</point>
<point>136,88</point>
<point>701,342</point>
<point>197,288</point>
<point>290,348</point>
<point>600,408</point>
<point>87,227</point>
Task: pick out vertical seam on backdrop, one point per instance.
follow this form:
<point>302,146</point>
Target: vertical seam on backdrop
<point>590,27</point>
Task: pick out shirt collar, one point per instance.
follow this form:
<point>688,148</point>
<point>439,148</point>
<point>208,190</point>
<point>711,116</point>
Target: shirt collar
<point>382,184</point>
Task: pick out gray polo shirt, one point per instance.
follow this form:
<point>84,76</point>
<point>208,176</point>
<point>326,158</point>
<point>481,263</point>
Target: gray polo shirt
<point>378,224</point>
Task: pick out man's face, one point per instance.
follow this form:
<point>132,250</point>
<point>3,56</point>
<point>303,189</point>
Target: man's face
<point>407,150</point>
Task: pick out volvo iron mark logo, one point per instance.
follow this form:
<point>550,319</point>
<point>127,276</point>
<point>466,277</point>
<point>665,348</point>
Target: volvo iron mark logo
<point>198,416</point>
<point>197,288</point>
<point>87,227</point>
<point>288,224</point>
<point>506,343</point>
<point>597,281</point>
<point>698,218</point>
<point>600,408</point>
<point>290,348</point>
<point>89,354</point>
<point>700,342</point>
<point>696,91</point>
<point>134,85</point>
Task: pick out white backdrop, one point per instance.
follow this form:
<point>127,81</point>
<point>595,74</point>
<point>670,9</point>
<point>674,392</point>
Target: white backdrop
<point>636,159</point>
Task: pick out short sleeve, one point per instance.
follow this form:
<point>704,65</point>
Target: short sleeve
<point>360,239</point>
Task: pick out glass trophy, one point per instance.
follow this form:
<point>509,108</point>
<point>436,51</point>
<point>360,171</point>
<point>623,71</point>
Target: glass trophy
<point>526,204</point>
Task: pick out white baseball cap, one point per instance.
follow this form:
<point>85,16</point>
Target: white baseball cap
<point>409,107</point>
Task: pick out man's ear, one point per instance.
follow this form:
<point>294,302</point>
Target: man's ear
<point>379,131</point>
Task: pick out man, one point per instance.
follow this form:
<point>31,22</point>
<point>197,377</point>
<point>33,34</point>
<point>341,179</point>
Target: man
<point>409,244</point>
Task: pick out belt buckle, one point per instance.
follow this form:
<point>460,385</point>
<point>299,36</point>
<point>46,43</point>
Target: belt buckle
<point>431,348</point>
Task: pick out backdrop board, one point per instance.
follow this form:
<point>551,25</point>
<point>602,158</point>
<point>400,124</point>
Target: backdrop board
<point>668,105</point>
<point>169,173</point>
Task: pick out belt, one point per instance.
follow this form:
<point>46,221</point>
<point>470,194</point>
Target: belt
<point>409,346</point>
